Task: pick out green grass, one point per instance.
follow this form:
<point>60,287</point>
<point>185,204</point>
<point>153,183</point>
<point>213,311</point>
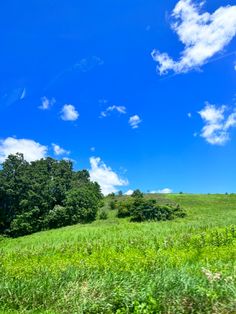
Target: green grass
<point>113,266</point>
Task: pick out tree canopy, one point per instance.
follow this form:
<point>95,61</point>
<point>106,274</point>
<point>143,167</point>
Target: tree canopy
<point>44,194</point>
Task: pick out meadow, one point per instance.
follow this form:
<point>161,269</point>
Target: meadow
<point>186,265</point>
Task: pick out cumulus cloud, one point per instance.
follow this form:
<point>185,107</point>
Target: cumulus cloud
<point>202,34</point>
<point>218,122</point>
<point>134,121</point>
<point>47,103</point>
<point>59,150</point>
<point>129,192</point>
<point>120,109</point>
<point>69,113</point>
<point>31,149</point>
<point>105,176</point>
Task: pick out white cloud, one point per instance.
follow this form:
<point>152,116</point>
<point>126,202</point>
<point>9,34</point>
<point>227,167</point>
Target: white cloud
<point>203,35</point>
<point>235,66</point>
<point>129,192</point>
<point>134,121</point>
<point>189,115</point>
<point>120,109</point>
<point>165,191</point>
<point>217,124</point>
<point>105,176</point>
<point>31,149</point>
<point>46,103</point>
<point>59,150</point>
<point>69,113</point>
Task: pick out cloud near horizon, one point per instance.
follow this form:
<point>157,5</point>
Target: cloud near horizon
<point>162,191</point>
<point>129,192</point>
<point>105,176</point>
<point>202,34</point>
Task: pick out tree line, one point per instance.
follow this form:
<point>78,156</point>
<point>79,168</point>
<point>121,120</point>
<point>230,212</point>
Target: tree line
<point>44,194</point>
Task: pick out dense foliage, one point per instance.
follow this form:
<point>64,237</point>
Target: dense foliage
<point>44,194</point>
<point>141,209</point>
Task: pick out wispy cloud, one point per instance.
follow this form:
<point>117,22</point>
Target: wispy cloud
<point>217,123</point>
<point>87,64</point>
<point>47,103</point>
<point>203,35</point>
<point>134,121</point>
<point>119,109</point>
<point>31,149</point>
<point>105,176</point>
<point>69,113</point>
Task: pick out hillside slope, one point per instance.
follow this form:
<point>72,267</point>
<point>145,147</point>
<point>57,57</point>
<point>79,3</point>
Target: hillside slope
<point>114,266</point>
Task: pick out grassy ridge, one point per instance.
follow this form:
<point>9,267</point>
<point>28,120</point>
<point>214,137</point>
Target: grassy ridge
<point>113,266</point>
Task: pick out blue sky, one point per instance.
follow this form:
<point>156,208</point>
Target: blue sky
<point>142,93</point>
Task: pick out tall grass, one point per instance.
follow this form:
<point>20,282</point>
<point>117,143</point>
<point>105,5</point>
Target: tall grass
<point>113,266</point>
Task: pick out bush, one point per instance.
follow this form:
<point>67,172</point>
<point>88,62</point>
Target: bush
<point>140,209</point>
<point>56,218</point>
<point>103,215</point>
<point>112,204</point>
<point>26,223</point>
<point>150,210</point>
<point>124,208</point>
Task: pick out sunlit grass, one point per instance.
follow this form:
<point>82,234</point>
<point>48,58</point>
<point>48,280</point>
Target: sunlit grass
<point>113,266</point>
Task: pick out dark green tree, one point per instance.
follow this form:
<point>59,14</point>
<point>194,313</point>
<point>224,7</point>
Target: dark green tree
<point>44,194</point>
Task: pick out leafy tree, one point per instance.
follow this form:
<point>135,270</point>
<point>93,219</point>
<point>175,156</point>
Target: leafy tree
<point>81,204</point>
<point>137,194</point>
<point>32,195</point>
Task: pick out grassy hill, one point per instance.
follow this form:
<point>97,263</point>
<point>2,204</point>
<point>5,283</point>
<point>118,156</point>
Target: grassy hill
<point>114,266</point>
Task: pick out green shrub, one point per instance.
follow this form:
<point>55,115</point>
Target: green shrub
<point>113,204</point>
<point>25,223</point>
<point>56,218</point>
<point>124,208</point>
<point>103,215</point>
<point>140,209</point>
<point>150,210</point>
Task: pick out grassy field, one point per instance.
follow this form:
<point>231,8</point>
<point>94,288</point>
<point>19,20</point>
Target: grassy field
<point>113,266</point>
